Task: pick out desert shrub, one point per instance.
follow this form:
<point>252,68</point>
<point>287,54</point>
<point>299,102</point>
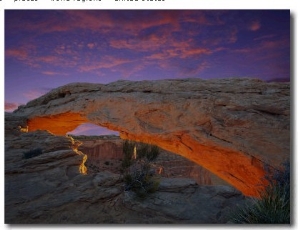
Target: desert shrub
<point>32,153</point>
<point>273,207</point>
<point>106,162</point>
<point>136,168</point>
<point>128,148</point>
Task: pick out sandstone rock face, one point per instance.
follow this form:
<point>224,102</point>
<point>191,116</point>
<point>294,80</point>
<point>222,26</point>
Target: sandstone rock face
<point>102,148</point>
<point>106,153</point>
<point>53,188</point>
<point>232,127</point>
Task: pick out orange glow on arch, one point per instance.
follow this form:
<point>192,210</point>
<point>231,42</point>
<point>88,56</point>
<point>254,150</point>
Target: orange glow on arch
<point>58,124</point>
<point>242,171</point>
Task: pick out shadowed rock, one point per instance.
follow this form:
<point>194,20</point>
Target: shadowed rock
<point>106,153</point>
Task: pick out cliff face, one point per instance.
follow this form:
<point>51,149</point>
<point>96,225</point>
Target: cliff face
<point>102,149</point>
<point>105,153</point>
<point>233,127</point>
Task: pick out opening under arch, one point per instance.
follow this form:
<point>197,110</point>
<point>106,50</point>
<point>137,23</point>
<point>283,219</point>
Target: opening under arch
<point>89,129</point>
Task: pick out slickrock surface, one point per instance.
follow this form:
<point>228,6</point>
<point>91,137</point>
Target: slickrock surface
<point>54,188</point>
<point>232,127</point>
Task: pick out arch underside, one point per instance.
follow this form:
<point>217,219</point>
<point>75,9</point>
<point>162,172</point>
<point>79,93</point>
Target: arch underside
<point>244,172</point>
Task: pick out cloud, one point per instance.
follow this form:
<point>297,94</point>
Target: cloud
<point>47,59</point>
<point>126,42</point>
<point>10,106</point>
<point>264,37</point>
<point>255,25</point>
<point>136,44</point>
<point>232,38</point>
<point>93,20</point>
<point>265,48</point>
<point>20,54</point>
<point>91,45</point>
<point>29,55</point>
<point>193,69</point>
<point>52,73</point>
<point>195,51</point>
<point>106,62</point>
<point>35,93</point>
<point>242,50</point>
<point>147,33</point>
<point>106,21</point>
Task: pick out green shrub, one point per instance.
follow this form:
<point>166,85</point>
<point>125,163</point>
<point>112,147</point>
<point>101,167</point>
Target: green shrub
<point>32,153</point>
<point>136,168</point>
<point>273,207</point>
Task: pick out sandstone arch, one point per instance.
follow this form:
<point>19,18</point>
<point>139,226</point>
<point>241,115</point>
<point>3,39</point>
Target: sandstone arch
<point>232,127</point>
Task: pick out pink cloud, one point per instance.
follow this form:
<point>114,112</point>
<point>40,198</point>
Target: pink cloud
<point>52,73</point>
<point>271,44</point>
<point>218,49</point>
<point>161,43</point>
<point>195,51</point>
<point>55,60</point>
<point>91,45</point>
<point>137,45</point>
<point>232,38</point>
<point>254,26</point>
<point>9,106</point>
<point>106,62</point>
<point>243,50</point>
<point>105,21</point>
<point>47,59</point>
<point>264,48</point>
<point>20,54</point>
<point>100,20</point>
<point>91,20</point>
<point>179,50</point>
<point>33,94</point>
<point>269,36</point>
<point>196,70</point>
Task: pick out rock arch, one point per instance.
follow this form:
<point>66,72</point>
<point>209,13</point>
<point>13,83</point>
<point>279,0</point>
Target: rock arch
<point>232,127</point>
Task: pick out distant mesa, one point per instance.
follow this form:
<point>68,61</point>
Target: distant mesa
<point>232,127</point>
<point>279,80</point>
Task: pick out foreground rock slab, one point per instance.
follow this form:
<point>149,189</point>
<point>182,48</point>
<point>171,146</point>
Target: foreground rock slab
<point>232,127</point>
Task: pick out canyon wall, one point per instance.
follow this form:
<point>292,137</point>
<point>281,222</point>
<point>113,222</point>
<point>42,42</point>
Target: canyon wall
<point>232,127</point>
<point>106,153</point>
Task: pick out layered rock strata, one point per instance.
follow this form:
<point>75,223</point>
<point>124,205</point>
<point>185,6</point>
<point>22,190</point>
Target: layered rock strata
<point>232,127</point>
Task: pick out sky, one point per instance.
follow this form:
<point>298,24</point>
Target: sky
<point>45,49</point>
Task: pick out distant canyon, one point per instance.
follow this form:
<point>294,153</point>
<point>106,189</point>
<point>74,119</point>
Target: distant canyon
<point>106,153</point>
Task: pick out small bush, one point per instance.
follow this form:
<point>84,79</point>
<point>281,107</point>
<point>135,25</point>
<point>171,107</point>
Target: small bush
<point>32,153</point>
<point>273,207</point>
<point>106,162</point>
<point>136,168</point>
